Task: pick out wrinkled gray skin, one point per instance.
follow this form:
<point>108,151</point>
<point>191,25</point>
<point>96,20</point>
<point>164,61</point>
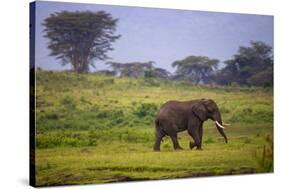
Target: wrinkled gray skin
<point>175,116</point>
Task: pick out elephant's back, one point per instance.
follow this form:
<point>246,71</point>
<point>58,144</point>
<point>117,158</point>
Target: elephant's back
<point>178,105</point>
<point>172,114</point>
<point>170,108</point>
<point>176,109</point>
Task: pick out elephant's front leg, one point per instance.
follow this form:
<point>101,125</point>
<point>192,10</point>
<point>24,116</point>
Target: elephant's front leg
<point>195,134</point>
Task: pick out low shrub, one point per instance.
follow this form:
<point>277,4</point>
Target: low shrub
<point>68,102</point>
<point>146,109</point>
<point>93,137</point>
<point>209,140</point>
<point>52,115</point>
<point>247,141</point>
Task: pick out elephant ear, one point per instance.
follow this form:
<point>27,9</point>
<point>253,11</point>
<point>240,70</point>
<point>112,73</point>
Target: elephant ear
<point>200,111</point>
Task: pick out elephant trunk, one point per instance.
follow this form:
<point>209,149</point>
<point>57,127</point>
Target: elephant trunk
<point>219,126</point>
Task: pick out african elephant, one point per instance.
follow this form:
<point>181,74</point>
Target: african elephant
<point>176,116</point>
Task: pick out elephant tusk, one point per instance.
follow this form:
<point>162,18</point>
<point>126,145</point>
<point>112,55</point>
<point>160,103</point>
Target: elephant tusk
<point>218,124</point>
<point>225,124</point>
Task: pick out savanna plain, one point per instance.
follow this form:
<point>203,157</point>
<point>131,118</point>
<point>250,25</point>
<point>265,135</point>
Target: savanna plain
<point>92,128</point>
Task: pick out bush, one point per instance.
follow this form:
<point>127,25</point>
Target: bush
<point>68,102</point>
<point>83,100</point>
<point>146,109</point>
<point>52,115</point>
<point>93,138</point>
<point>111,114</point>
<point>103,114</point>
<point>116,121</point>
<point>247,141</point>
<point>209,140</point>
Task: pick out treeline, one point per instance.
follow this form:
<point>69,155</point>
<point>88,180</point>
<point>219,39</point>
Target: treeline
<point>82,37</point>
<point>250,66</point>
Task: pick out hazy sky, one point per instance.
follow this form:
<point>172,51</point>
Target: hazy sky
<point>163,35</point>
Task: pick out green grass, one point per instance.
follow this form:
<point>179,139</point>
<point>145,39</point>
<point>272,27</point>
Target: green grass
<point>98,129</point>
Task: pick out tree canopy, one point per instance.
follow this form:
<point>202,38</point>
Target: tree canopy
<point>138,69</point>
<point>160,73</point>
<point>131,69</point>
<point>250,66</point>
<point>80,38</point>
<point>195,68</point>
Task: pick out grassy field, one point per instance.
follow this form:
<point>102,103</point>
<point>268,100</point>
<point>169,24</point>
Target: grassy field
<point>99,129</point>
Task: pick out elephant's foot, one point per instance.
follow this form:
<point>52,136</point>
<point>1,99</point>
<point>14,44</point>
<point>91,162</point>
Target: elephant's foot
<point>199,148</point>
<point>191,145</point>
<point>156,146</point>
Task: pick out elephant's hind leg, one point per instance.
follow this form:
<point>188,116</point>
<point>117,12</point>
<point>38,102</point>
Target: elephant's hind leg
<point>158,137</point>
<point>200,137</point>
<point>171,131</point>
<point>175,142</point>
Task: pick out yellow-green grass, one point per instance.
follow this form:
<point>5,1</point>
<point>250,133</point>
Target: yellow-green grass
<point>97,129</point>
<point>124,162</point>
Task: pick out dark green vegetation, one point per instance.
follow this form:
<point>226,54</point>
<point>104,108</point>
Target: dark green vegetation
<point>96,129</point>
<point>251,66</point>
<point>196,68</point>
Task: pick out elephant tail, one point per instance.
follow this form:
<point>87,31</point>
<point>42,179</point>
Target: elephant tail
<point>159,128</point>
<point>157,123</point>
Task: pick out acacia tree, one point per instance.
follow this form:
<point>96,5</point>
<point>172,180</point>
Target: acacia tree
<point>160,73</point>
<point>195,68</point>
<point>131,69</point>
<point>79,38</point>
<point>251,65</point>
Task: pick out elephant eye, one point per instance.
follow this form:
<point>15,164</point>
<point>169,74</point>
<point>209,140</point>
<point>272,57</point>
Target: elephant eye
<point>210,107</point>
